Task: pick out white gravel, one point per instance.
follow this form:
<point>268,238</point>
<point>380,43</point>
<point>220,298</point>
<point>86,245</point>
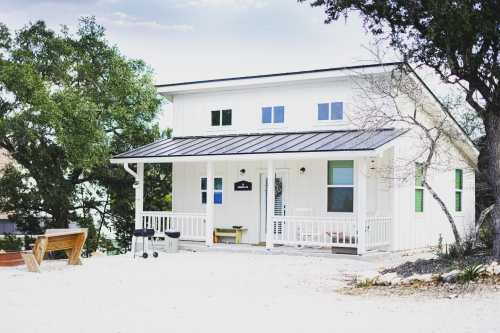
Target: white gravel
<point>222,292</point>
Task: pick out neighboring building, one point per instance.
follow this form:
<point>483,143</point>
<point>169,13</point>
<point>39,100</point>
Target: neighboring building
<point>279,155</point>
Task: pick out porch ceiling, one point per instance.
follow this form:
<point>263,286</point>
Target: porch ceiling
<point>256,144</point>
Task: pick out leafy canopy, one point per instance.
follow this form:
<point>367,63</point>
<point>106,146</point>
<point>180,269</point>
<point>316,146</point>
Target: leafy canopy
<point>68,102</point>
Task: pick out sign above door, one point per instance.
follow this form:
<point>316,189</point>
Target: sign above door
<point>243,185</point>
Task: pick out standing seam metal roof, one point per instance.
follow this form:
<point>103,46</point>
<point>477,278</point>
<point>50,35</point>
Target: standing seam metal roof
<point>266,143</point>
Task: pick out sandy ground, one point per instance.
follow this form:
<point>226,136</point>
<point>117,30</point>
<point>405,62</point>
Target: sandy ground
<point>223,292</point>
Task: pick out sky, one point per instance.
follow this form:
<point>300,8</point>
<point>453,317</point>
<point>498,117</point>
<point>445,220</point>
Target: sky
<point>185,40</point>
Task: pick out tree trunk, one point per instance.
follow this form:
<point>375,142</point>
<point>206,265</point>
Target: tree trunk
<point>456,234</point>
<point>492,127</point>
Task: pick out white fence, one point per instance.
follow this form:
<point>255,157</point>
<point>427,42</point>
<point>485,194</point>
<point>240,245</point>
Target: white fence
<point>378,231</point>
<point>191,226</point>
<point>330,231</point>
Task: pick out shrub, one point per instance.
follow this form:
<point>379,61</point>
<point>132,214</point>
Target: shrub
<point>11,243</point>
<point>471,273</point>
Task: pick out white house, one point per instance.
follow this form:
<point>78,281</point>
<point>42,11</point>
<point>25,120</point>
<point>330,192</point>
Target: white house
<point>280,156</point>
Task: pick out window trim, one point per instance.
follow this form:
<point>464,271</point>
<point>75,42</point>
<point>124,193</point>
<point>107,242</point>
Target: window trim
<point>221,191</point>
<point>221,111</point>
<point>353,186</point>
<point>419,188</point>
<point>459,190</point>
<point>273,115</point>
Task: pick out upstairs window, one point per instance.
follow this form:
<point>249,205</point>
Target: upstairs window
<point>419,187</point>
<point>340,186</point>
<point>222,117</point>
<point>459,184</point>
<point>331,111</point>
<point>217,190</point>
<point>273,115</point>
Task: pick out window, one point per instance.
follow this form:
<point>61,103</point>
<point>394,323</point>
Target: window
<point>222,117</point>
<point>217,190</point>
<point>419,188</point>
<point>340,186</point>
<point>331,111</point>
<point>459,182</point>
<point>275,114</point>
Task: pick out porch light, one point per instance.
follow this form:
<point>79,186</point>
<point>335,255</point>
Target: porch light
<point>242,172</point>
<point>372,164</point>
<point>302,170</point>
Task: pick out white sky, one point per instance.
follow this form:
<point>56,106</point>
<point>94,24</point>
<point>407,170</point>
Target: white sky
<point>184,40</point>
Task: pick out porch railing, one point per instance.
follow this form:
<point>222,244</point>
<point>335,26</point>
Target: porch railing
<point>330,231</point>
<point>378,231</point>
<point>314,231</point>
<point>191,226</point>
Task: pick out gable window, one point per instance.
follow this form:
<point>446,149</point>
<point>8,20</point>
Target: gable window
<point>222,117</point>
<point>331,111</point>
<point>340,186</point>
<point>217,190</point>
<point>419,188</point>
<point>459,182</point>
<point>273,115</point>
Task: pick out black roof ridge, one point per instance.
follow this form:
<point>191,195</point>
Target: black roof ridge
<point>260,76</point>
<point>284,133</point>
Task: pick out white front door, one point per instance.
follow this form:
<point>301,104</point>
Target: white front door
<point>279,200</point>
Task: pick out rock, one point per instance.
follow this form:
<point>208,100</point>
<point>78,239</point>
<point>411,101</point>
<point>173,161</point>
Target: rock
<point>387,279</point>
<point>451,296</point>
<point>396,281</point>
<point>451,277</point>
<point>493,268</point>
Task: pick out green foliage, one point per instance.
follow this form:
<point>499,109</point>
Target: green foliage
<point>11,243</point>
<point>471,273</point>
<point>68,103</point>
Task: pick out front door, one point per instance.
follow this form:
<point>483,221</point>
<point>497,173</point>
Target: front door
<point>279,200</point>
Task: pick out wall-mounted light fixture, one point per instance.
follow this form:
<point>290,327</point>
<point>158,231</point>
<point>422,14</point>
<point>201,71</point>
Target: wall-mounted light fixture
<point>373,164</point>
<point>242,172</point>
<point>302,170</point>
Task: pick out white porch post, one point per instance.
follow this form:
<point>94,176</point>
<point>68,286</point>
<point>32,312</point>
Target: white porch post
<point>270,204</point>
<point>395,202</point>
<point>209,225</point>
<point>361,203</point>
<point>139,195</point>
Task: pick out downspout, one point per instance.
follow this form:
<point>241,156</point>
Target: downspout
<point>130,171</point>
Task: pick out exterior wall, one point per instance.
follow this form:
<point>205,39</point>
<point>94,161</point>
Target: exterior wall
<point>306,194</point>
<point>416,230</point>
<point>191,112</point>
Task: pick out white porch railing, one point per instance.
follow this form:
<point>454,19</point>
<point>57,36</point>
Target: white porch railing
<point>330,231</point>
<point>191,226</point>
<point>314,231</point>
<point>378,231</point>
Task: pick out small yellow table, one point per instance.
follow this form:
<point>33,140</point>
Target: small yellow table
<point>229,232</point>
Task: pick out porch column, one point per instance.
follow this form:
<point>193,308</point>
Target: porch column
<point>270,204</point>
<point>395,201</point>
<point>139,195</point>
<point>209,224</point>
<point>362,171</point>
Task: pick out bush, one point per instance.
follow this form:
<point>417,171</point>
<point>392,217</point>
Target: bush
<point>11,243</point>
<point>471,273</point>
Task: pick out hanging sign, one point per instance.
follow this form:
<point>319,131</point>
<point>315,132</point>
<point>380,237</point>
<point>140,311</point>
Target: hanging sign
<point>243,185</point>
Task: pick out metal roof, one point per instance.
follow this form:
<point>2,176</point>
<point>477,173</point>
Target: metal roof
<point>260,76</point>
<point>266,143</point>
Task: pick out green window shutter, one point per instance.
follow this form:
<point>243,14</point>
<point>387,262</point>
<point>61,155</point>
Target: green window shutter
<point>459,179</point>
<point>419,175</point>
<point>458,201</point>
<point>419,200</point>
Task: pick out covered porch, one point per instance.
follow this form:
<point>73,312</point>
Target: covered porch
<point>341,198</point>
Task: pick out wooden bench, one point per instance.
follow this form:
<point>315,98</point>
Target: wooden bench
<point>228,232</point>
<point>70,240</point>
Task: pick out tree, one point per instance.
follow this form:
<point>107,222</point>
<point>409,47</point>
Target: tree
<point>68,103</point>
<point>394,98</point>
<point>460,41</point>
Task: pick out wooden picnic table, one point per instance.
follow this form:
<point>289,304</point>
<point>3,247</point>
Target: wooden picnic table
<point>69,240</point>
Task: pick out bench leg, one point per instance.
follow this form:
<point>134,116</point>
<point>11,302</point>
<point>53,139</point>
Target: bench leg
<point>39,249</point>
<point>31,262</point>
<point>237,238</point>
<point>74,257</point>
